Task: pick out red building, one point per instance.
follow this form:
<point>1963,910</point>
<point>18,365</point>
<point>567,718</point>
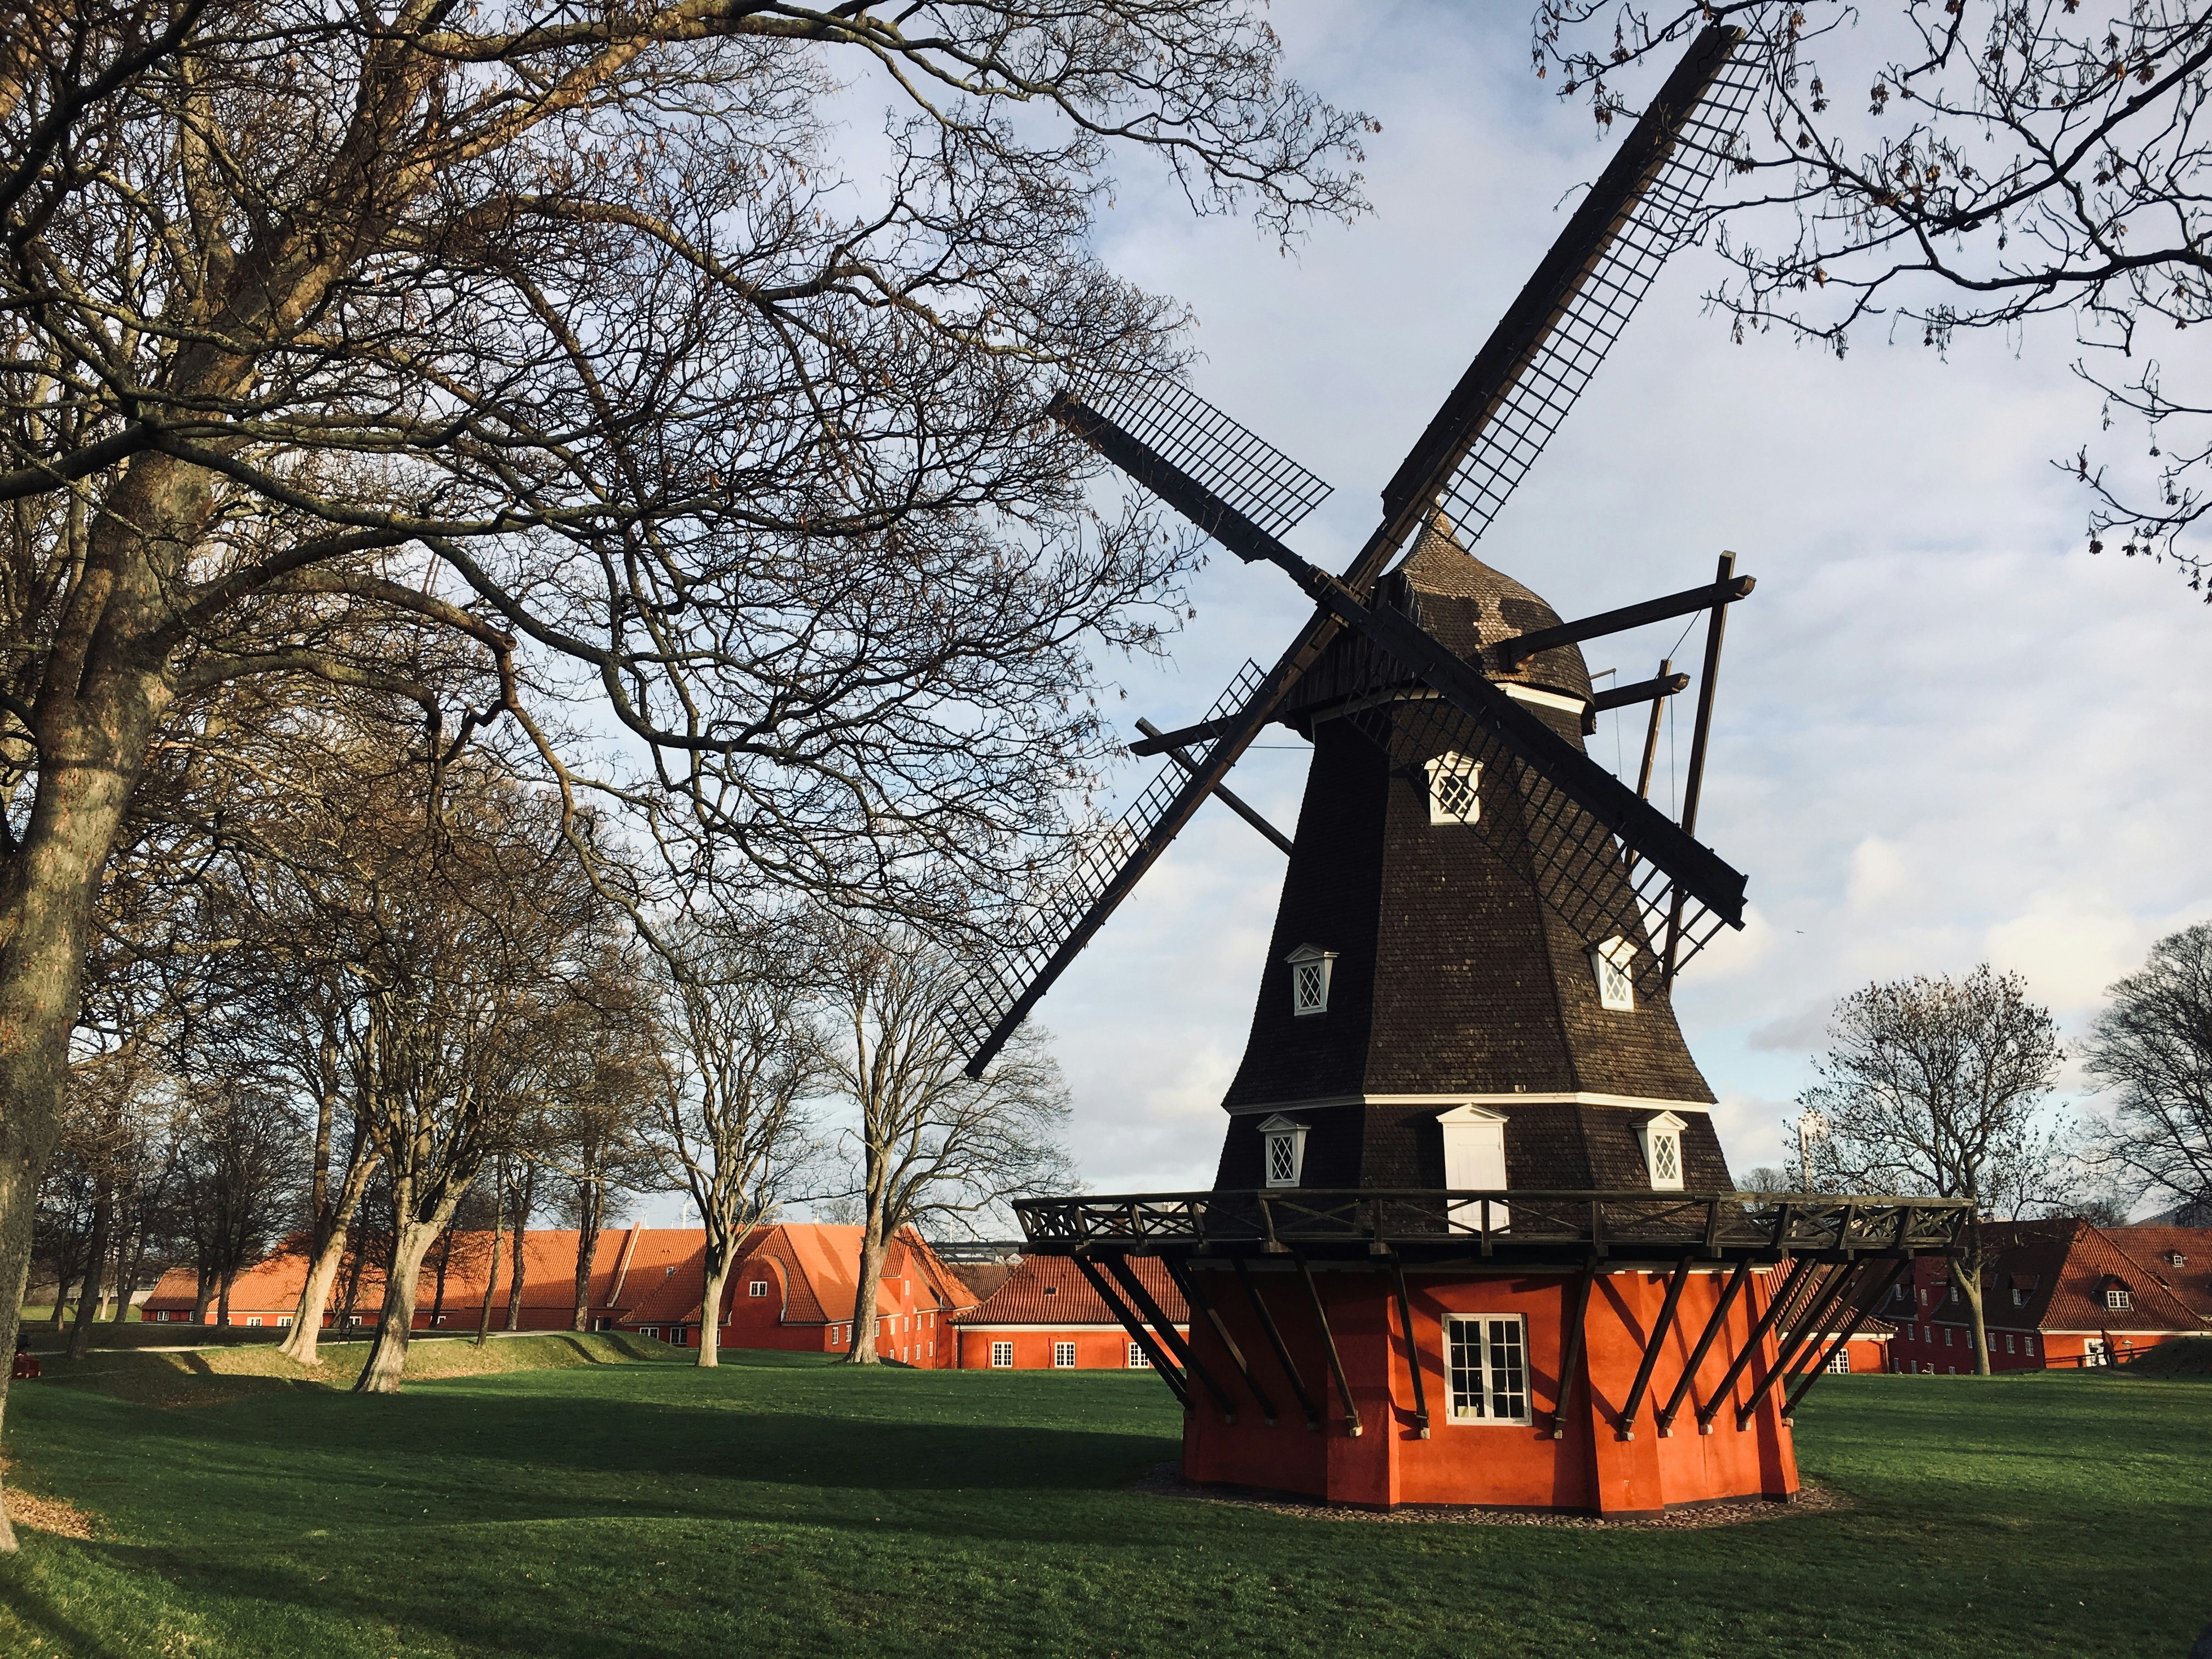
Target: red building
<point>1045,1316</point>
<point>2057,1294</point>
<point>794,1289</point>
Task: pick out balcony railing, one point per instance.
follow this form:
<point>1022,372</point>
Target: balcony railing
<point>1516,1224</point>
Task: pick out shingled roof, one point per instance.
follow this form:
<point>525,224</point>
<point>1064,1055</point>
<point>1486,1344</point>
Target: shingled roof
<point>2062,1269</point>
<point>1450,980</point>
<point>820,1278</point>
<point>1051,1292</point>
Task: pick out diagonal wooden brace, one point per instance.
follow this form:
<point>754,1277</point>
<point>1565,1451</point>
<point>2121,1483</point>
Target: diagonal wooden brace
<point>1664,1324</point>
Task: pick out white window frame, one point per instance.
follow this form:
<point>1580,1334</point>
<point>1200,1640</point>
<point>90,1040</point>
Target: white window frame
<point>1661,1138</point>
<point>1498,1344</point>
<point>756,1287</point>
<point>1063,1355</point>
<point>1475,1162</point>
<point>1839,1363</point>
<point>2118,1298</point>
<point>1311,970</point>
<point>2028,1342</point>
<point>1139,1359</point>
<point>1002,1356</point>
<point>252,1319</point>
<point>1609,962</point>
<point>1282,1139</point>
<point>1446,773</point>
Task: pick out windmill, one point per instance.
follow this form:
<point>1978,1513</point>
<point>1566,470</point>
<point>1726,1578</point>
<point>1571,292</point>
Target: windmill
<point>1601,855</point>
<point>1470,1162</point>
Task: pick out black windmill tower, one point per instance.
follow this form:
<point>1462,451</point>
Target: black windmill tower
<point>1463,1028</point>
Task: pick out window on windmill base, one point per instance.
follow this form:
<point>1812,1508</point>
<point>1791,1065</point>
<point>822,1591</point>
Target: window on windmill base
<point>1486,1363</point>
<point>1311,969</point>
<point>1611,965</point>
<point>1002,1355</point>
<point>756,1287</point>
<point>1455,789</point>
<point>1063,1355</point>
<point>2118,1298</point>
<point>1138,1360</point>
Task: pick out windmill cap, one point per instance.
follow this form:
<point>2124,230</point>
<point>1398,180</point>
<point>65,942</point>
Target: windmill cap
<point>1470,606</point>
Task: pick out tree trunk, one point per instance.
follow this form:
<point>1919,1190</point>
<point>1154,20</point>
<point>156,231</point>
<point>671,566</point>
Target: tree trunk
<point>1967,1275</point>
<point>863,1349</point>
<point>592,1201</point>
<point>130,1259</point>
<point>526,1196</point>
<point>352,1291</point>
<point>710,1314</point>
<point>202,1294</point>
<point>491,1261</point>
<point>222,1300</point>
<point>387,1355</point>
<point>299,1343</point>
<point>445,1261</point>
<point>95,1268</point>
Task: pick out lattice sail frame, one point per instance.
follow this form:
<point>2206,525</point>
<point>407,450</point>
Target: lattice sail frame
<point>1102,854</point>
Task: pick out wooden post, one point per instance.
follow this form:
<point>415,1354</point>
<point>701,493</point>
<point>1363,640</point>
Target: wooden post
<point>1665,1323</point>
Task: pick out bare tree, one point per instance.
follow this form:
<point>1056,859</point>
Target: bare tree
<point>1929,169</point>
<point>1933,1086</point>
<point>2151,1047</point>
<point>239,1177</point>
<point>929,1143</point>
<point>558,333</point>
<point>746,1054</point>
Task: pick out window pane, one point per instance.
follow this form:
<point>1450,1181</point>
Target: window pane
<point>1281,1164</point>
<point>1465,1338</point>
<point>1509,1375</point>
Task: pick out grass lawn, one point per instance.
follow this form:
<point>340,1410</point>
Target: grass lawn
<point>786,1506</point>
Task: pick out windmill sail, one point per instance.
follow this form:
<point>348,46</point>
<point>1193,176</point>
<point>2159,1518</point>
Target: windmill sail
<point>1497,421</point>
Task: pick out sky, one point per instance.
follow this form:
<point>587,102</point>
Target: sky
<point>1945,733</point>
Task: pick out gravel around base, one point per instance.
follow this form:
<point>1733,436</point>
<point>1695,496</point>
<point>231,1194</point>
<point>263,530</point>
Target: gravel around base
<point>1165,1480</point>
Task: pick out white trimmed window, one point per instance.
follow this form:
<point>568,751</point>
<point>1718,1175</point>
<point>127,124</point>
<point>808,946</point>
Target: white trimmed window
<point>1138,1360</point>
<point>2027,1343</point>
<point>1486,1358</point>
<point>283,1319</point>
<point>1839,1363</point>
<point>1662,1139</point>
<point>1312,969</point>
<point>1002,1356</point>
<point>255,1318</point>
<point>1063,1355</point>
<point>757,1287</point>
<point>2118,1298</point>
<point>1610,965</point>
<point>1283,1149</point>
<point>2008,1341</point>
<point>1455,789</point>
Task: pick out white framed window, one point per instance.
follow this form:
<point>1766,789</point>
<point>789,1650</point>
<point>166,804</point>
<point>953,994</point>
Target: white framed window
<point>2028,1343</point>
<point>2176,1259</point>
<point>2118,1298</point>
<point>2092,1352</point>
<point>1611,965</point>
<point>757,1287</point>
<point>1312,969</point>
<point>1839,1363</point>
<point>1283,1149</point>
<point>2008,1341</point>
<point>1455,789</point>
<point>255,1318</point>
<point>1662,1139</point>
<point>1002,1356</point>
<point>1475,1162</point>
<point>1947,1336</point>
<point>1063,1355</point>
<point>653,1331</point>
<point>2019,1297</point>
<point>1138,1361</point>
<point>1486,1360</point>
<point>283,1319</point>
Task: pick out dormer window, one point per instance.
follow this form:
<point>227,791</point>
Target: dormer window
<point>1455,789</point>
<point>1283,1149</point>
<point>1475,1162</point>
<point>2118,1298</point>
<point>2176,1259</point>
<point>1661,1138</point>
<point>1311,968</point>
<point>1609,964</point>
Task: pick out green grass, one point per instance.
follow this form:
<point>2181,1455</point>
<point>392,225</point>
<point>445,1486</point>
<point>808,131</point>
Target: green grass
<point>786,1506</point>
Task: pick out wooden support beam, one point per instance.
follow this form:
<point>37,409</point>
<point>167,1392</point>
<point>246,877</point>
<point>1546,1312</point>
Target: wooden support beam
<point>1130,1323</point>
<point>1570,1358</point>
<point>1780,1300</point>
<point>1736,1282</point>
<point>1807,1326</point>
<point>1659,1329</point>
<point>1413,1348</point>
<point>1275,1341</point>
<point>1693,782</point>
<point>1650,690</point>
<point>1142,1300</point>
<point>1850,1329</point>
<point>1186,1282</point>
<point>1351,1423</point>
<point>1156,742</point>
<point>1726,589</point>
<point>1222,793</point>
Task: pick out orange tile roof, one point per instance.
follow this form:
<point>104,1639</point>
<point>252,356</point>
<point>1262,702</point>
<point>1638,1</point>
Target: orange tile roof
<point>1051,1290</point>
<point>2068,1265</point>
<point>821,1266</point>
<point>2191,1279</point>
